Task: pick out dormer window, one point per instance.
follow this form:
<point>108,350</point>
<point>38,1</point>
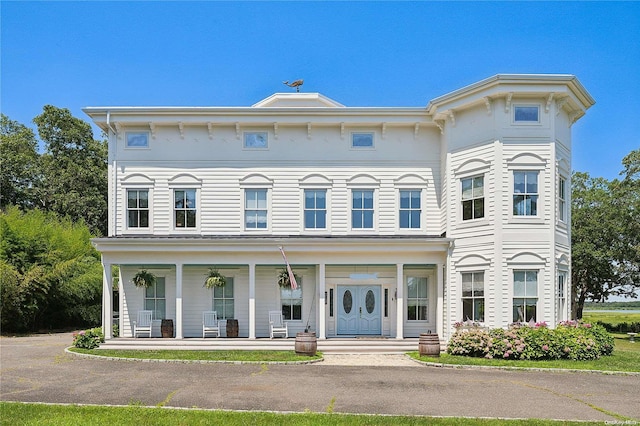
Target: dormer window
<point>362,140</point>
<point>526,114</point>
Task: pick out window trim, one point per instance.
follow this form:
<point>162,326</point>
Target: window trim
<point>526,122</point>
<point>326,209</point>
<point>247,133</point>
<point>358,148</point>
<point>537,297</point>
<point>230,280</point>
<point>420,210</point>
<point>473,297</point>
<point>562,199</point>
<point>561,309</point>
<point>267,209</point>
<point>407,298</point>
<point>462,199</point>
<point>539,184</point>
<point>374,218</point>
<point>198,210</point>
<point>145,298</point>
<point>127,209</point>
<point>301,298</point>
<point>137,133</point>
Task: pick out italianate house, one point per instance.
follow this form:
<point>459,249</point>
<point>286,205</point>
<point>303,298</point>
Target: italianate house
<point>395,221</point>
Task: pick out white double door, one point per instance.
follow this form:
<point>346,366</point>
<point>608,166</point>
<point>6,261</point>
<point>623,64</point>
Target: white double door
<point>359,309</point>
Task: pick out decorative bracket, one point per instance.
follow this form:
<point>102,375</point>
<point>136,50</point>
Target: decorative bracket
<point>152,127</point>
<point>453,118</point>
<point>440,124</point>
<point>384,130</point>
<point>181,128</point>
<point>237,130</point>
<point>507,105</point>
<point>210,129</point>
<point>341,130</point>
<point>118,130</point>
<point>573,116</point>
<point>275,130</point>
<point>487,103</point>
<point>416,129</point>
<point>549,99</point>
<point>309,130</point>
<point>561,103</point>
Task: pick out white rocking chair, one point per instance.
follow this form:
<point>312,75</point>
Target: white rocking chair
<point>277,325</point>
<point>210,323</point>
<point>143,324</point>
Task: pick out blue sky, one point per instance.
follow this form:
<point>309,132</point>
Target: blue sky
<point>77,54</point>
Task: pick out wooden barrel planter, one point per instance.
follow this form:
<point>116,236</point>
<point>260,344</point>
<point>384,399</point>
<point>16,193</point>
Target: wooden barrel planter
<point>166,328</point>
<point>306,343</point>
<point>429,344</point>
<point>232,328</point>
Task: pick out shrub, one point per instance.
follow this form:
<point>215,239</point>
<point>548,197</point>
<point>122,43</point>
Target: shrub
<point>88,339</point>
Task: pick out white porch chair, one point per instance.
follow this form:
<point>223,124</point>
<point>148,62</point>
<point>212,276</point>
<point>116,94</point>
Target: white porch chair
<point>210,323</point>
<point>277,325</point>
<point>143,324</point>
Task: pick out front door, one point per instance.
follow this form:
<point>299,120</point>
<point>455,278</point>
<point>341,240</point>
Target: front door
<point>359,309</point>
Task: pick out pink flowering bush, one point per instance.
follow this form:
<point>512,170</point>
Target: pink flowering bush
<point>88,339</point>
<point>570,340</point>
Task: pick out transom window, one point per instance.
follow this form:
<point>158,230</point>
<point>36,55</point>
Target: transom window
<point>410,208</point>
<point>526,113</point>
<point>562,199</point>
<point>138,208</point>
<point>473,296</point>
<point>525,295</point>
<point>256,140</point>
<point>417,300</point>
<point>155,299</point>
<point>525,193</point>
<point>362,140</point>
<point>223,302</point>
<point>362,209</point>
<point>473,198</point>
<point>255,209</point>
<point>315,208</point>
<point>137,140</point>
<point>291,301</point>
<point>185,208</point>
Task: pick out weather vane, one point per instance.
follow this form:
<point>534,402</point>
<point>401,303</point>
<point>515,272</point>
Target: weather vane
<point>295,84</point>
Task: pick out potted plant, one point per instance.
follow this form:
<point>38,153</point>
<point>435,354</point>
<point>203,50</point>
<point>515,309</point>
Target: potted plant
<point>214,279</point>
<point>283,278</point>
<point>144,279</point>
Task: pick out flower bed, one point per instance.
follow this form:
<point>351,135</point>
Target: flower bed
<point>88,339</point>
<point>570,340</point>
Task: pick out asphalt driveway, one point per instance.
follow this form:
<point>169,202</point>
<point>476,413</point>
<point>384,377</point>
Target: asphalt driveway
<point>36,369</point>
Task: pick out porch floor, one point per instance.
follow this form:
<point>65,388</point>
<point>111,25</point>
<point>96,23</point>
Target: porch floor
<point>342,345</point>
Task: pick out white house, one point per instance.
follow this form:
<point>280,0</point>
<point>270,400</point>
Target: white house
<point>397,220</point>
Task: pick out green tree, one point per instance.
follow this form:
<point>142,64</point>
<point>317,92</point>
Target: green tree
<point>74,169</point>
<point>19,162</point>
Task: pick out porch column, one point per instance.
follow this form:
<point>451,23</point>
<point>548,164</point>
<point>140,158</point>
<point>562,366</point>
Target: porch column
<point>179,301</point>
<point>322,333</point>
<point>440,300</point>
<point>107,300</point>
<point>399,301</point>
<point>252,301</point>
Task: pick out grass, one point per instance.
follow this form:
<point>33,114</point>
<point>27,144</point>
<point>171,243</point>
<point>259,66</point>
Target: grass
<point>195,355</point>
<point>625,357</point>
<point>613,318</point>
<point>19,414</point>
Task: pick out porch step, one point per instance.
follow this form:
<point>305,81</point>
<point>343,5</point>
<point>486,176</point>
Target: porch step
<point>328,346</point>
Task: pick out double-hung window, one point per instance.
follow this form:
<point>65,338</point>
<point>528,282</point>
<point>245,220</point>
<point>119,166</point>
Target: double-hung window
<point>138,208</point>
<point>561,298</point>
<point>315,208</point>
<point>223,302</point>
<point>291,301</point>
<point>525,295</point>
<point>184,210</point>
<point>525,193</point>
<point>255,208</point>
<point>417,299</point>
<point>155,299</point>
<point>473,198</point>
<point>410,209</point>
<point>562,199</point>
<point>362,209</point>
<point>473,296</point>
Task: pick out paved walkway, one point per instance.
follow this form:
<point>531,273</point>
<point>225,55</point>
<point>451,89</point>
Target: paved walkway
<point>36,369</point>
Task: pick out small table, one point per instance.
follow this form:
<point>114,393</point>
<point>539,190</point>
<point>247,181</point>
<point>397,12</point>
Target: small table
<point>632,337</point>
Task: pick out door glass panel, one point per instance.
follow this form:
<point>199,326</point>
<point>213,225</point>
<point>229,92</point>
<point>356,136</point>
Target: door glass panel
<point>347,301</point>
<point>370,301</point>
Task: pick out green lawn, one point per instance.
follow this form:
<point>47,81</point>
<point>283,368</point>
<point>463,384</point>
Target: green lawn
<point>18,414</point>
<point>612,318</point>
<point>237,355</point>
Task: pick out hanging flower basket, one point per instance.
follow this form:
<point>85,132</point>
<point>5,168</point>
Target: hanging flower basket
<point>214,279</point>
<point>283,278</point>
<point>144,279</point>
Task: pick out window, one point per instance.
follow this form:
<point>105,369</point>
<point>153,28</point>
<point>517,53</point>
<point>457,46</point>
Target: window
<point>223,302</point>
<point>525,295</point>
<point>154,299</point>
<point>315,208</point>
<point>362,209</point>
<point>255,208</point>
<point>417,302</point>
<point>291,301</point>
<point>526,113</point>
<point>138,140</point>
<point>410,209</point>
<point>362,140</point>
<point>562,199</point>
<point>256,140</point>
<point>561,298</point>
<point>184,210</point>
<point>525,193</point>
<point>138,208</point>
<point>473,296</point>
<point>473,198</point>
